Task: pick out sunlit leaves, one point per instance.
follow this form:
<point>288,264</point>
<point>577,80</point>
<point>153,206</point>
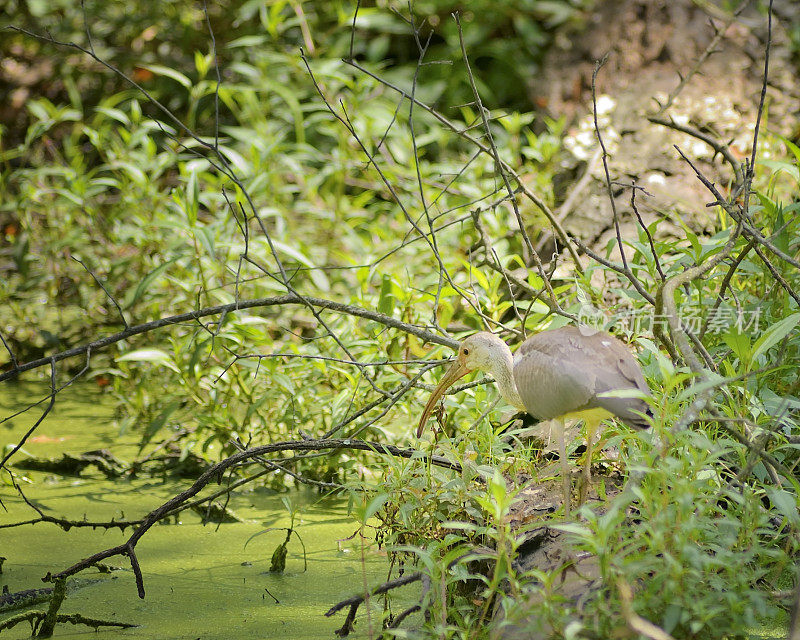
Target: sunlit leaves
<point>152,356</point>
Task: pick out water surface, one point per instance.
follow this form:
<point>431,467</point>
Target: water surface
<point>201,581</point>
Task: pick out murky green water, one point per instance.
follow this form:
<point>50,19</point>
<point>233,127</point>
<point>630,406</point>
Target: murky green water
<point>201,581</point>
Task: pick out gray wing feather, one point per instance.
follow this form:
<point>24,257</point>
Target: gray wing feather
<point>550,389</point>
<point>564,370</point>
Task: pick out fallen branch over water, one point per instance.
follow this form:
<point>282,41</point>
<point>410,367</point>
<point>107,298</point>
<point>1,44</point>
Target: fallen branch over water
<point>128,548</point>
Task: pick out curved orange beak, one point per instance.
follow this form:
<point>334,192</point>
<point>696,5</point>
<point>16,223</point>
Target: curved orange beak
<point>456,371</point>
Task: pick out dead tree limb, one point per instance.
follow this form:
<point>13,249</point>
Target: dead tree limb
<point>289,299</point>
<point>128,548</point>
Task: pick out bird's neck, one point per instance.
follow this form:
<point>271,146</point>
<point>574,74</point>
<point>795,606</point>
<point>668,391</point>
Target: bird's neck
<point>503,373</point>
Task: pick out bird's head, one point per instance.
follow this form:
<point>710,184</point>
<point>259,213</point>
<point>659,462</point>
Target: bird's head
<point>482,351</point>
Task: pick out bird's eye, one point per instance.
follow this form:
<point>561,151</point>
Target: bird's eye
<point>466,352</point>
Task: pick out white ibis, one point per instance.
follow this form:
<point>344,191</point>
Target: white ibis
<point>554,375</point>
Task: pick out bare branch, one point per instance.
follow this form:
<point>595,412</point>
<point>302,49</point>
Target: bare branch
<point>289,299</point>
<point>128,547</point>
<point>718,147</point>
<point>626,270</point>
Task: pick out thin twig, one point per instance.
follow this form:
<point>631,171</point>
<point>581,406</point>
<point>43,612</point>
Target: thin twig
<point>408,578</point>
<point>720,33</point>
<point>102,286</point>
<point>46,411</point>
<point>218,74</point>
<point>353,28</point>
<point>14,363</point>
<point>452,126</point>
<point>501,169</point>
<point>639,219</point>
<point>626,270</point>
<point>759,114</point>
<point>718,147</point>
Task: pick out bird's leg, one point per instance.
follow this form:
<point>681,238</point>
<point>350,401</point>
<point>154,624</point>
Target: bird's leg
<point>566,485</point>
<point>586,480</point>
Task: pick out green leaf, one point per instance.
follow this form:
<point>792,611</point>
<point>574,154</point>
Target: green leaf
<point>784,502</point>
<point>713,380</point>
<point>577,529</point>
<point>497,487</point>
<point>774,334</point>
<point>672,616</point>
<point>665,365</point>
<point>459,526</point>
<point>387,299</point>
<point>38,110</point>
<point>154,356</point>
<point>739,344</point>
<point>782,238</point>
<point>318,277</point>
<point>202,63</point>
<point>296,111</point>
<point>115,114</point>
<point>374,506</point>
<point>791,146</point>
<point>147,281</point>
<point>192,198</point>
<point>623,393</point>
<point>206,237</point>
<point>692,238</point>
<point>445,312</point>
<point>160,420</point>
<point>236,159</point>
<point>161,70</point>
<point>283,381</point>
<point>132,171</point>
<point>247,42</point>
